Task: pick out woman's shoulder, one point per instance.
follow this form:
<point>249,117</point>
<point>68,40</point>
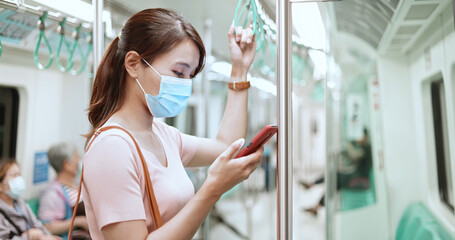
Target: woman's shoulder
<point>52,189</point>
<point>111,139</point>
<point>161,125</point>
<point>165,129</point>
<point>110,151</point>
<point>23,205</point>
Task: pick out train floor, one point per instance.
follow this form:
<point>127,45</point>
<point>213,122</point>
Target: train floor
<point>232,214</point>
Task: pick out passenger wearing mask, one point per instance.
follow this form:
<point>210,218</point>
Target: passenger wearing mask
<point>58,200</point>
<point>146,73</point>
<point>17,220</point>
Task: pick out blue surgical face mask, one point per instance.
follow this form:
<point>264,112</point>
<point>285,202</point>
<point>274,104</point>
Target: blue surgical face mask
<point>172,98</point>
<point>16,187</point>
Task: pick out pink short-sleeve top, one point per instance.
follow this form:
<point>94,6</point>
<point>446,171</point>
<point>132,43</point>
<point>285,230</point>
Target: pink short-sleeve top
<point>114,185</point>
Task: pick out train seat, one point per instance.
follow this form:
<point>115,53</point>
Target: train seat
<point>418,223</point>
<point>357,198</point>
<point>34,205</point>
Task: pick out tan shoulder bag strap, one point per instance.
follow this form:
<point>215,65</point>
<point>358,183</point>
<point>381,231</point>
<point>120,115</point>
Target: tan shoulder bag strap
<point>154,211</point>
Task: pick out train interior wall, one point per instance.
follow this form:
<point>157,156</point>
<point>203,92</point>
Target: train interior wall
<point>409,152</point>
<point>52,108</point>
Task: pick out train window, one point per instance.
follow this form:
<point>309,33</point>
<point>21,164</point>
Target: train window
<point>9,107</point>
<point>438,101</point>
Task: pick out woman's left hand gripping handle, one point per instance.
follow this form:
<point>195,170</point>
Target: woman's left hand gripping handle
<point>242,47</point>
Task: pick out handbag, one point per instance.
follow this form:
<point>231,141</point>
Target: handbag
<point>154,211</point>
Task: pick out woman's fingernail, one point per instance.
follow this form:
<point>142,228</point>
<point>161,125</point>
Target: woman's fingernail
<point>240,142</point>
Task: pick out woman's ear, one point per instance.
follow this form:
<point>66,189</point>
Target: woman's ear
<point>132,63</point>
<point>66,165</point>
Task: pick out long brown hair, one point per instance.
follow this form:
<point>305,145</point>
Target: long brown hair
<point>150,32</point>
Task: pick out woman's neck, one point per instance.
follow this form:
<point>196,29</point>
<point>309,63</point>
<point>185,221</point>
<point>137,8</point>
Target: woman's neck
<point>66,179</point>
<point>7,199</point>
<point>134,120</point>
<point>133,115</point>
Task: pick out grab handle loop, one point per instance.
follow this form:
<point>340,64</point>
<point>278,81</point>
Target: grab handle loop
<point>42,36</point>
<point>84,56</point>
<point>89,49</point>
<point>76,45</point>
<point>62,40</point>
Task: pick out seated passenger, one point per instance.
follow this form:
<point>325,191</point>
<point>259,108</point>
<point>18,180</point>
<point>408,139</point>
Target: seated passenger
<point>359,155</point>
<point>17,220</point>
<point>58,200</point>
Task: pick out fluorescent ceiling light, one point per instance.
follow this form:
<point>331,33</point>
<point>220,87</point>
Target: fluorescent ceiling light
<point>320,63</point>
<point>307,21</point>
<point>263,85</point>
<point>223,68</point>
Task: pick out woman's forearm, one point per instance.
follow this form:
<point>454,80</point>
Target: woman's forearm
<point>186,223</point>
<point>58,227</point>
<point>234,122</point>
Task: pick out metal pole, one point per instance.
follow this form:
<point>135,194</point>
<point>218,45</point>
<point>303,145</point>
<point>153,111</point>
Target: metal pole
<point>98,33</point>
<point>205,80</point>
<point>204,99</point>
<point>453,6</point>
<point>284,74</point>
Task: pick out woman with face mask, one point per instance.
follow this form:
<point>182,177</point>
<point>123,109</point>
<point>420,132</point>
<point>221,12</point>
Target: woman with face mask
<point>17,220</point>
<point>146,73</point>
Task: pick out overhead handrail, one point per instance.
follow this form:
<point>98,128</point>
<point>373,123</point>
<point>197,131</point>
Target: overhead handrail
<point>84,56</point>
<point>42,36</point>
<point>63,41</point>
<point>54,16</point>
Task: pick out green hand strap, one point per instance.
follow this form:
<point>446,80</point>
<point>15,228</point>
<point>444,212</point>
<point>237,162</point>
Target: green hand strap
<point>42,36</point>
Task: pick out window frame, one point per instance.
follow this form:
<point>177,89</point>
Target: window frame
<point>441,143</point>
<point>15,103</point>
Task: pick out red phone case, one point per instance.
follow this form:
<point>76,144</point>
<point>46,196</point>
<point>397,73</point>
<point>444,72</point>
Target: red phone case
<point>260,139</point>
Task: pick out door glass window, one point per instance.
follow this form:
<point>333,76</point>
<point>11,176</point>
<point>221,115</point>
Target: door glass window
<point>9,106</point>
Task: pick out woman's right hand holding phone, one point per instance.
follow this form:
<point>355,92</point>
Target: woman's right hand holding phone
<point>226,172</point>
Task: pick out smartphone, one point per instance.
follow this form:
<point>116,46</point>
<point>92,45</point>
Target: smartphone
<point>260,139</point>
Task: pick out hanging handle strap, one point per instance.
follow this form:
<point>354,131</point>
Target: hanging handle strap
<point>42,36</point>
<point>64,42</point>
<point>84,56</point>
<point>154,211</point>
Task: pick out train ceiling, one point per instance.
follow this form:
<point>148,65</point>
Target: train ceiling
<point>389,26</point>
